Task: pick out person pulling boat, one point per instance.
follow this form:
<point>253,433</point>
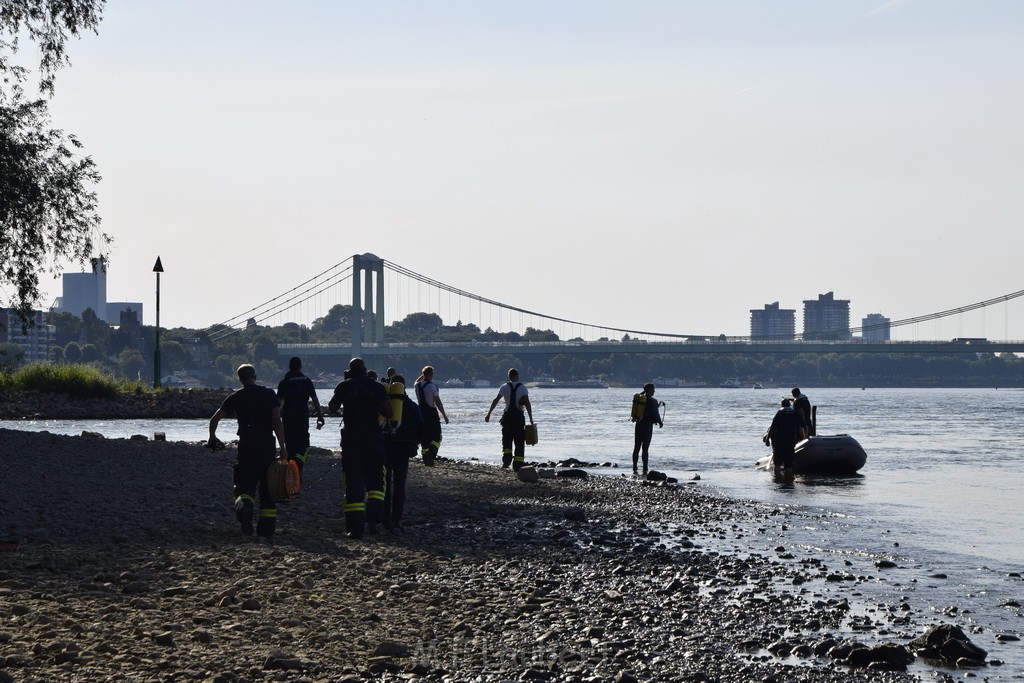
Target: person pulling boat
<point>787,428</point>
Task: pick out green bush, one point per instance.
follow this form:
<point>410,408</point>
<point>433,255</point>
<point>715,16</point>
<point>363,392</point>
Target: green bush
<point>75,380</point>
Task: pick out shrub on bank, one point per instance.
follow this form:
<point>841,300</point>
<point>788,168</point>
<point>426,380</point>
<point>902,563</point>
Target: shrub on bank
<point>74,380</point>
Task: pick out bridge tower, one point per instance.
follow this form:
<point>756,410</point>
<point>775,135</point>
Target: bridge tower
<point>367,309</point>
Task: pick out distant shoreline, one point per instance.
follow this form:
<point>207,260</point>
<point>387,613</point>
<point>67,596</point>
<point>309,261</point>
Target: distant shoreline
<point>166,404</point>
<point>200,403</point>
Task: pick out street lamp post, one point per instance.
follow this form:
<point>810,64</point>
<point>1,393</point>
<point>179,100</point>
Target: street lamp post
<point>158,268</point>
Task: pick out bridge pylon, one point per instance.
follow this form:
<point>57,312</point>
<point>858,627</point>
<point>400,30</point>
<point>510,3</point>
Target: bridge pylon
<point>367,309</point>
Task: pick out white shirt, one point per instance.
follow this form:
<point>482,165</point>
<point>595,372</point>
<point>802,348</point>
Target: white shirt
<point>430,392</point>
<point>506,393</point>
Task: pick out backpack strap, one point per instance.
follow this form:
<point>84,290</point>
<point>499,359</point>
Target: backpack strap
<point>512,388</point>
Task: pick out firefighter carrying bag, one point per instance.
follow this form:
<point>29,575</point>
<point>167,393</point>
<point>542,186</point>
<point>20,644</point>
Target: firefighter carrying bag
<point>283,479</point>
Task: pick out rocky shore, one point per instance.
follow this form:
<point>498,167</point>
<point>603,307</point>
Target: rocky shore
<point>168,403</point>
<point>121,560</point>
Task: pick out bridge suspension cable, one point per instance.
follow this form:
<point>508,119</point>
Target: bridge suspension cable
<point>305,291</point>
<point>482,299</point>
<point>944,314</point>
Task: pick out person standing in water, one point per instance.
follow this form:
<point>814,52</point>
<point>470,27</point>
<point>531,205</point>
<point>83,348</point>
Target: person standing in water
<point>802,405</point>
<point>644,430</point>
<point>786,430</point>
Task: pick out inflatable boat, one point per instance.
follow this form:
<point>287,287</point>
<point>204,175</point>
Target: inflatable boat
<point>838,454</point>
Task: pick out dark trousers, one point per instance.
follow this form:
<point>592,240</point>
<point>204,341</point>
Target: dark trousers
<point>513,439</point>
<point>642,441</point>
<point>250,480</point>
<point>431,435</point>
<point>362,465</point>
<point>782,453</point>
<point>397,456</point>
<point>296,438</point>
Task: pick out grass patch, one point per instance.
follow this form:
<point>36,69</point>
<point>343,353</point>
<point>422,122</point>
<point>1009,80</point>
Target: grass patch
<point>74,380</point>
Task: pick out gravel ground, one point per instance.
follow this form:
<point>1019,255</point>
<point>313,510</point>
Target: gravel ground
<point>122,561</point>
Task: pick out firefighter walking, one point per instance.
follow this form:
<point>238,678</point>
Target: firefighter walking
<point>361,400</point>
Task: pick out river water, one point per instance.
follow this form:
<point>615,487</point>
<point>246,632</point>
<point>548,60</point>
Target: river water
<point>940,493</point>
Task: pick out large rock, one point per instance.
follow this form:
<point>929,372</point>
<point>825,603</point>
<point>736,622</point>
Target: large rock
<point>572,473</point>
<point>950,645</point>
<point>528,474</point>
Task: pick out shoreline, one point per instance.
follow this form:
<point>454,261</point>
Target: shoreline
<point>167,403</point>
<point>129,563</point>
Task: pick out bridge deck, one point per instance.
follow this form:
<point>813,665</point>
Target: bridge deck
<point>674,347</point>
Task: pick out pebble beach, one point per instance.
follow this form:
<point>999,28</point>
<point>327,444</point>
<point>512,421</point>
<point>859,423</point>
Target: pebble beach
<point>121,560</point>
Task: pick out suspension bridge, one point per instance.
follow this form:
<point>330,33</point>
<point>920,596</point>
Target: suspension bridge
<point>373,286</point>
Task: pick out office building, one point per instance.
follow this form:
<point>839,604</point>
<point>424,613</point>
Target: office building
<point>35,341</point>
<point>875,327</point>
<point>773,322</point>
<point>827,318</point>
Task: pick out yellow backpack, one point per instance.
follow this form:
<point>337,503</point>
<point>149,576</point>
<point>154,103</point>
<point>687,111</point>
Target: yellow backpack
<point>639,403</point>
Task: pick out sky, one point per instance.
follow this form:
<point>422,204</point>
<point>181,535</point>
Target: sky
<point>654,165</point>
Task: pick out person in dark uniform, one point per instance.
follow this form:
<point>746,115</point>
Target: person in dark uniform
<point>787,428</point>
<point>362,454</point>
<point>295,391</point>
<point>399,446</point>
<point>644,430</point>
<point>429,400</point>
<point>259,421</point>
<point>513,423</point>
<point>802,405</point>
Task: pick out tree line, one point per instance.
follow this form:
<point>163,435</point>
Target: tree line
<point>212,355</point>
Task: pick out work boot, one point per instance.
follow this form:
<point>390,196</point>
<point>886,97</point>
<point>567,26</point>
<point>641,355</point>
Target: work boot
<point>265,527</point>
<point>244,513</point>
<point>355,523</point>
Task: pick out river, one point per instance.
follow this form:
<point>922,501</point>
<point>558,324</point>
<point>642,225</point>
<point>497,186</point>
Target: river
<point>940,493</point>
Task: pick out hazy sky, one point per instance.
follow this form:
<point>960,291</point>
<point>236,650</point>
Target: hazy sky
<point>653,165</point>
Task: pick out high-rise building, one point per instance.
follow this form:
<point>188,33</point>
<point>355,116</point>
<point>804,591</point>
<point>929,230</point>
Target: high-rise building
<point>875,327</point>
<point>827,318</point>
<point>35,341</point>
<point>773,322</point>
<point>89,290</point>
